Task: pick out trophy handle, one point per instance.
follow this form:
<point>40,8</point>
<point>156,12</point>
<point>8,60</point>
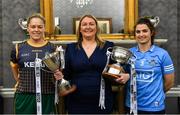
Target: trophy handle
<point>65,87</point>
<point>62,59</point>
<point>66,92</point>
<point>61,55</point>
<point>109,51</point>
<point>132,59</point>
<point>109,48</point>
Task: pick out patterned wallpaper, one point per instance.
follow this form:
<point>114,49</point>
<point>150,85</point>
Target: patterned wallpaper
<point>99,8</point>
<point>167,28</point>
<point>1,83</point>
<point>178,42</point>
<point>12,10</point>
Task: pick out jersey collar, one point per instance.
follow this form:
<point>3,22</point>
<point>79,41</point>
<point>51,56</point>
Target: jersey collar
<point>151,49</point>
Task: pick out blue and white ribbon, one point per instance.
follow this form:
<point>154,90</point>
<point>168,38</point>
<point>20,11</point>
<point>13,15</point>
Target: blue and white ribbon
<point>102,87</point>
<point>133,89</point>
<point>38,85</point>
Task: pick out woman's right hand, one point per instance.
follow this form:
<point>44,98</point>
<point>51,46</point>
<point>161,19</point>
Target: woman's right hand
<point>58,75</point>
<point>123,78</point>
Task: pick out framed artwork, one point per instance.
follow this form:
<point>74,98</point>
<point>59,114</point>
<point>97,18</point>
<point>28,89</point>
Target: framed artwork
<point>105,25</point>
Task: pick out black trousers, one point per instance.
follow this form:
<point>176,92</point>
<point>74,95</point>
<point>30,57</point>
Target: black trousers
<point>1,105</point>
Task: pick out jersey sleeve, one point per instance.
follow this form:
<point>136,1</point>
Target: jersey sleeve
<point>167,64</point>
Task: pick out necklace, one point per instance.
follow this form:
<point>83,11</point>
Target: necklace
<point>89,46</point>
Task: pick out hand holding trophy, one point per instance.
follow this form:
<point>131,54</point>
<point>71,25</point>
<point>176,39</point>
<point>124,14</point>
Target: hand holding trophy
<point>55,61</point>
<point>121,56</point>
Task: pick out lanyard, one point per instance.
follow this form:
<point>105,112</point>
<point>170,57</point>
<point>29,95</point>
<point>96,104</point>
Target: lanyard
<point>133,90</point>
<point>38,85</point>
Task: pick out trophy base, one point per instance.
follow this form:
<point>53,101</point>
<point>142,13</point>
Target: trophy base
<point>67,90</point>
<point>112,73</point>
<point>111,77</point>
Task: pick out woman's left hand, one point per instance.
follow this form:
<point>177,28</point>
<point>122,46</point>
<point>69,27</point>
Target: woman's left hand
<point>123,78</point>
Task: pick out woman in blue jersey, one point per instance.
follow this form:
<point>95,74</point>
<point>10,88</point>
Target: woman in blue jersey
<point>154,71</point>
<point>84,63</point>
<point>23,67</point>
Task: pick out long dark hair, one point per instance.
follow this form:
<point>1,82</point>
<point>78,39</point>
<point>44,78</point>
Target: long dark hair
<point>147,22</point>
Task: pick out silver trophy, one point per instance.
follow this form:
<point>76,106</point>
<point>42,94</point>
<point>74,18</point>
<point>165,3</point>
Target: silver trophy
<point>154,20</point>
<point>55,61</point>
<point>23,23</point>
<point>120,56</point>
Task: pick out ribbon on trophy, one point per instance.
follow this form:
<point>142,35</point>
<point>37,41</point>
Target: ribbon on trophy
<point>133,89</point>
<point>102,87</point>
<point>62,65</point>
<point>38,84</point>
<point>56,100</point>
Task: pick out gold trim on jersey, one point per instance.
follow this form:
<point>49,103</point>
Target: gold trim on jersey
<point>43,43</point>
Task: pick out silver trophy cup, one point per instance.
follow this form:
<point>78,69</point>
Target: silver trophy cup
<point>52,61</point>
<point>55,61</point>
<point>154,20</point>
<point>23,23</point>
<point>120,56</point>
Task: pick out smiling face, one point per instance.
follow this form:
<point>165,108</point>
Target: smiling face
<point>36,29</point>
<point>143,34</point>
<point>88,28</point>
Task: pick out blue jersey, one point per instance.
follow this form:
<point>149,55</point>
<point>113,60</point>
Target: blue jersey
<point>151,66</point>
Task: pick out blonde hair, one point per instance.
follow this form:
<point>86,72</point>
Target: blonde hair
<point>99,41</point>
<point>36,15</point>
